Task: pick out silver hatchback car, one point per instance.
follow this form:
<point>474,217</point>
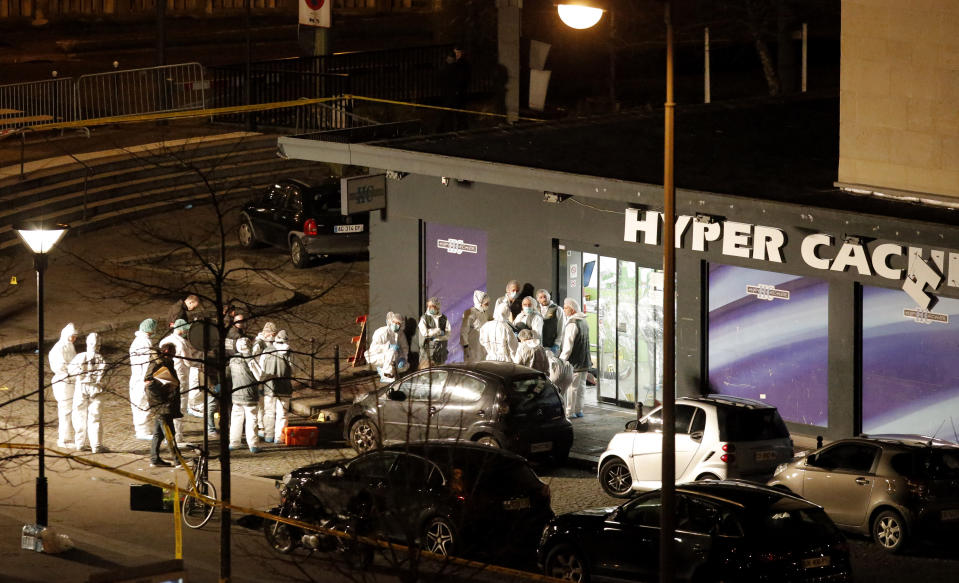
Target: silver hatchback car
<point>894,487</point>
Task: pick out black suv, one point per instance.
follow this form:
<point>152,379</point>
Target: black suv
<point>498,404</point>
<point>304,219</point>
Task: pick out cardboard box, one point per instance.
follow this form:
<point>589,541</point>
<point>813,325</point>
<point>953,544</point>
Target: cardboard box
<point>301,435</point>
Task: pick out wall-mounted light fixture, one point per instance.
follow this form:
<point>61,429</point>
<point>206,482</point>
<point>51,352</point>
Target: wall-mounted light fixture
<point>396,175</point>
<point>555,197</point>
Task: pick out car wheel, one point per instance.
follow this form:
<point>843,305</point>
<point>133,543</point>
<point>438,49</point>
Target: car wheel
<point>280,536</point>
<point>566,562</point>
<point>702,477</point>
<point>488,440</point>
<point>889,530</point>
<point>246,234</point>
<point>364,436</point>
<point>615,479</point>
<point>298,255</point>
<point>439,537</point>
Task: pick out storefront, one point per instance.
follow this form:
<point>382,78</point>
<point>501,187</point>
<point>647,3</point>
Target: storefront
<point>847,321</point>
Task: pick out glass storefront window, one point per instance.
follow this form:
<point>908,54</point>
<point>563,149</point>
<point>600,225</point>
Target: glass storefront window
<point>768,336</point>
<point>910,382</point>
<point>623,306</point>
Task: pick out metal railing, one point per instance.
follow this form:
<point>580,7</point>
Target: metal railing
<point>37,102</point>
<point>142,91</point>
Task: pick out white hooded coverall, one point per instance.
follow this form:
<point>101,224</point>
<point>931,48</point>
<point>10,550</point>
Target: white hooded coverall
<point>63,384</point>
<point>87,369</point>
<point>387,349</point>
<point>473,320</point>
<point>141,350</point>
<point>498,339</point>
<point>185,360</point>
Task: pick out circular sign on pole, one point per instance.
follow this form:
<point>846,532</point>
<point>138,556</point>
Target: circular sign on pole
<point>196,334</point>
<point>315,4</point>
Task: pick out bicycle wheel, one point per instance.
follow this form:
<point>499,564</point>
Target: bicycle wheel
<point>196,512</point>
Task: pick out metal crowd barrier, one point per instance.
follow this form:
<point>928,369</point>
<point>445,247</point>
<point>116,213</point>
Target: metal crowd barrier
<point>142,91</point>
<point>37,102</point>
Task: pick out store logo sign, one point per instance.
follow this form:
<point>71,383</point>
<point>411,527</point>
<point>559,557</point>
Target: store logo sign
<point>764,291</point>
<point>456,246</point>
<point>921,316</point>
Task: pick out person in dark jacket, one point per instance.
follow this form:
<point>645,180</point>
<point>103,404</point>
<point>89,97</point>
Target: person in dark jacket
<point>185,309</point>
<point>237,330</point>
<point>163,396</point>
<point>245,397</point>
<point>576,352</point>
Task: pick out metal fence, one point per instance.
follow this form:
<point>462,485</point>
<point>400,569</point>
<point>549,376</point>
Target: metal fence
<point>142,91</point>
<point>38,102</point>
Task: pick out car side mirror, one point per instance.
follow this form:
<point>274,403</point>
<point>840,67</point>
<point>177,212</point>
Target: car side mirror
<point>638,426</point>
<point>396,395</point>
<point>696,435</point>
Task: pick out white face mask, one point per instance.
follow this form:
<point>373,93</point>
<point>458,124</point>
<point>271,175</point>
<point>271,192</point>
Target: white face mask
<point>512,295</point>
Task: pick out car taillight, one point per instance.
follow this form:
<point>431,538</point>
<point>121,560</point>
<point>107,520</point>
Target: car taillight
<point>503,407</point>
<point>309,227</point>
<point>918,489</point>
<point>730,455</point>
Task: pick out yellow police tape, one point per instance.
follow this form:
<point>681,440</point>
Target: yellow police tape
<point>170,115</point>
<point>267,516</point>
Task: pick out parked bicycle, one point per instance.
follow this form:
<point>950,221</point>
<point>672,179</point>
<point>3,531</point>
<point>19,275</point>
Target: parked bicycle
<point>197,512</point>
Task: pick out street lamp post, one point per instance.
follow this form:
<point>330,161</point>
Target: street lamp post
<point>41,240</point>
<point>587,10</point>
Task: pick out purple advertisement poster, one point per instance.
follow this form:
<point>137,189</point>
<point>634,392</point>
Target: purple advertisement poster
<point>910,381</point>
<point>455,267</point>
<point>768,340</point>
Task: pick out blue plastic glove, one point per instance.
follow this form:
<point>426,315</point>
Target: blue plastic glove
<point>401,363</point>
<point>395,347</point>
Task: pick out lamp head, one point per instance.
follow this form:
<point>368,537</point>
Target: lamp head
<point>579,14</point>
<point>40,237</point>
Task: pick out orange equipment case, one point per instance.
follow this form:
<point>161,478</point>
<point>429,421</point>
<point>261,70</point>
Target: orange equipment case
<point>301,434</point>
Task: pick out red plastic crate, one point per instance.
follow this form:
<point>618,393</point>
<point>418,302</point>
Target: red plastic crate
<point>300,435</point>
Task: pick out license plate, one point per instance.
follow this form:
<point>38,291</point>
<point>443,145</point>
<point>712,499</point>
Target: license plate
<point>516,504</point>
<point>767,455</point>
<point>952,514</point>
<point>815,562</point>
<point>348,229</point>
<point>541,447</point>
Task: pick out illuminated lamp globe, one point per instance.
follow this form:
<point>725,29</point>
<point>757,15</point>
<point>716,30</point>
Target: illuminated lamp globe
<point>579,16</point>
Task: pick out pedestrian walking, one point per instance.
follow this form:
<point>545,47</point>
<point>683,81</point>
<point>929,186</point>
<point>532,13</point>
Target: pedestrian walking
<point>575,351</point>
<point>473,320</point>
<point>277,380</point>
<point>245,397</point>
<point>141,354</point>
<point>60,357</point>
<point>434,333</point>
<point>87,369</point>
<point>162,391</point>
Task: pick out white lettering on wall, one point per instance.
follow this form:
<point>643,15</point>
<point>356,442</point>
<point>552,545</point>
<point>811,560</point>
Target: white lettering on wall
<point>851,255</point>
<point>768,243</point>
<point>736,239</point>
<point>809,253</point>
<point>682,223</point>
<point>921,275</point>
<point>648,225</point>
<point>703,232</point>
<point>880,260</point>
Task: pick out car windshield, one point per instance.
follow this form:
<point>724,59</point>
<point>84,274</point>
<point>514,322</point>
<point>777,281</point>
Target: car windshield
<point>928,463</point>
<point>742,424</point>
<point>529,394</point>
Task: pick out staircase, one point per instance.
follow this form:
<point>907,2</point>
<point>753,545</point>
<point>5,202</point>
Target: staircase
<point>98,189</point>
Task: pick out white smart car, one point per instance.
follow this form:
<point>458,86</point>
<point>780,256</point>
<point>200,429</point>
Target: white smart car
<point>717,437</point>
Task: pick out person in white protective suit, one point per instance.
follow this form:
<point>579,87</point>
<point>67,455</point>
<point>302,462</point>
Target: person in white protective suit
<point>276,374</point>
<point>575,351</point>
<point>389,349</point>
<point>560,373</point>
<point>434,334</point>
<point>141,353</point>
<point>530,316</point>
<point>87,370</point>
<point>185,359</point>
<point>473,320</point>
<point>498,338</point>
<point>530,352</point>
<point>63,384</point>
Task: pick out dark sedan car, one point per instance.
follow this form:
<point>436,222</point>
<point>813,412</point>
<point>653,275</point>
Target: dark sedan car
<point>498,404</point>
<point>305,220</point>
<point>725,531</point>
<point>462,499</point>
